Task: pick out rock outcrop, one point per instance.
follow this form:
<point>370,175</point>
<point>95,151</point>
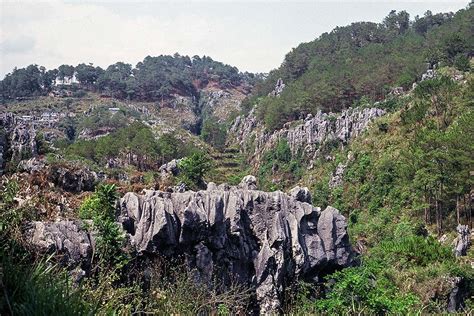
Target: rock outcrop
<point>263,239</point>
<point>67,238</point>
<point>462,241</point>
<point>279,86</point>
<point>305,136</point>
<point>17,139</point>
<point>73,179</point>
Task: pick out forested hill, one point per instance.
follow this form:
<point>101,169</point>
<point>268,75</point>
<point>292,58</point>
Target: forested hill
<point>155,78</point>
<point>364,60</point>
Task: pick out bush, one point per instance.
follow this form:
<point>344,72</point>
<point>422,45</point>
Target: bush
<point>193,168</point>
<point>357,290</point>
<point>100,207</point>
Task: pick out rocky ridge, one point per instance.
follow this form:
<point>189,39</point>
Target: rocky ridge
<point>305,136</point>
<point>264,240</point>
<point>17,139</point>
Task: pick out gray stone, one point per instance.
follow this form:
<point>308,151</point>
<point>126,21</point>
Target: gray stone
<point>262,239</point>
<point>462,241</point>
<point>301,194</point>
<point>67,238</point>
<point>249,182</point>
<point>307,135</point>
<point>279,87</point>
<point>73,178</point>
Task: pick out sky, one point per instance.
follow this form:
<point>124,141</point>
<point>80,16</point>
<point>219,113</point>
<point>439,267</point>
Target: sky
<point>252,35</point>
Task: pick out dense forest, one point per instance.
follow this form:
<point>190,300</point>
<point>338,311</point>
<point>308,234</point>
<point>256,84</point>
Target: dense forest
<point>153,79</point>
<point>363,61</point>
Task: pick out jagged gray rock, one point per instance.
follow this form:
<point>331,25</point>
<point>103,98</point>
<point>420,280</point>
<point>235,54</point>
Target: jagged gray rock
<point>32,165</point>
<point>249,182</point>
<point>68,238</point>
<point>72,178</point>
<point>337,177</point>
<point>308,135</point>
<point>462,241</point>
<point>263,239</point>
<point>169,169</point>
<point>301,194</point>
<point>17,137</point>
<point>279,86</point>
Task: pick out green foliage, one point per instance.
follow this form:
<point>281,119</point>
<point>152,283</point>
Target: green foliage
<point>318,74</point>
<point>413,250</point>
<point>461,62</point>
<point>9,217</point>
<point>192,169</point>
<point>279,162</point>
<point>39,289</point>
<point>214,133</point>
<point>100,207</point>
<point>357,290</point>
<point>171,292</point>
<point>135,139</point>
<point>153,79</point>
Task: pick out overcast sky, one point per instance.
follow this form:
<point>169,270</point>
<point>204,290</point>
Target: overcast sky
<point>252,35</point>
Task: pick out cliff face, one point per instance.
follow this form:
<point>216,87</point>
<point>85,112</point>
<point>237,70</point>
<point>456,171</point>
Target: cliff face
<point>304,136</point>
<point>264,239</point>
<point>17,139</point>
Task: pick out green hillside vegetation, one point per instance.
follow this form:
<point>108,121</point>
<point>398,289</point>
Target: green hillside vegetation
<point>363,59</point>
<point>135,139</point>
<point>408,183</point>
<point>153,79</point>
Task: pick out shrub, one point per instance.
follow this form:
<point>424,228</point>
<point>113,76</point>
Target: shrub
<point>358,290</point>
<point>193,168</point>
<point>100,207</point>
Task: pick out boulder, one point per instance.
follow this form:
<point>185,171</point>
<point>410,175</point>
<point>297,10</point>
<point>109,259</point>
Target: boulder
<point>462,241</point>
<point>72,178</point>
<point>67,238</point>
<point>249,182</point>
<point>169,169</point>
<point>301,194</point>
<point>265,240</point>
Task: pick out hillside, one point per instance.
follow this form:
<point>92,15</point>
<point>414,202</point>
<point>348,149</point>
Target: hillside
<point>339,184</point>
<point>363,62</point>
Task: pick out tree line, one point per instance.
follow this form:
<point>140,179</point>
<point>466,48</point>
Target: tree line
<point>363,60</point>
<point>153,79</point>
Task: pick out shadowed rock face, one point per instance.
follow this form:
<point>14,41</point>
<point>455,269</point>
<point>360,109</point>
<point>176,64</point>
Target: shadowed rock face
<point>264,239</point>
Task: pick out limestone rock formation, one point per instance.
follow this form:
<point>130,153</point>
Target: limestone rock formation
<point>306,136</point>
<point>279,86</point>
<point>17,139</point>
<point>67,238</point>
<point>462,241</point>
<point>73,179</point>
<point>301,194</point>
<point>264,239</point>
<point>169,169</point>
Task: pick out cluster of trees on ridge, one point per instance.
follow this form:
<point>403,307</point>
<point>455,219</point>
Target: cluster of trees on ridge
<point>153,79</point>
<point>363,59</point>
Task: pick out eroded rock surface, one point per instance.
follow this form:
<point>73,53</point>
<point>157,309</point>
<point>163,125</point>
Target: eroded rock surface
<point>462,241</point>
<point>304,136</point>
<point>73,179</point>
<point>68,238</point>
<point>264,239</point>
<point>17,139</point>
